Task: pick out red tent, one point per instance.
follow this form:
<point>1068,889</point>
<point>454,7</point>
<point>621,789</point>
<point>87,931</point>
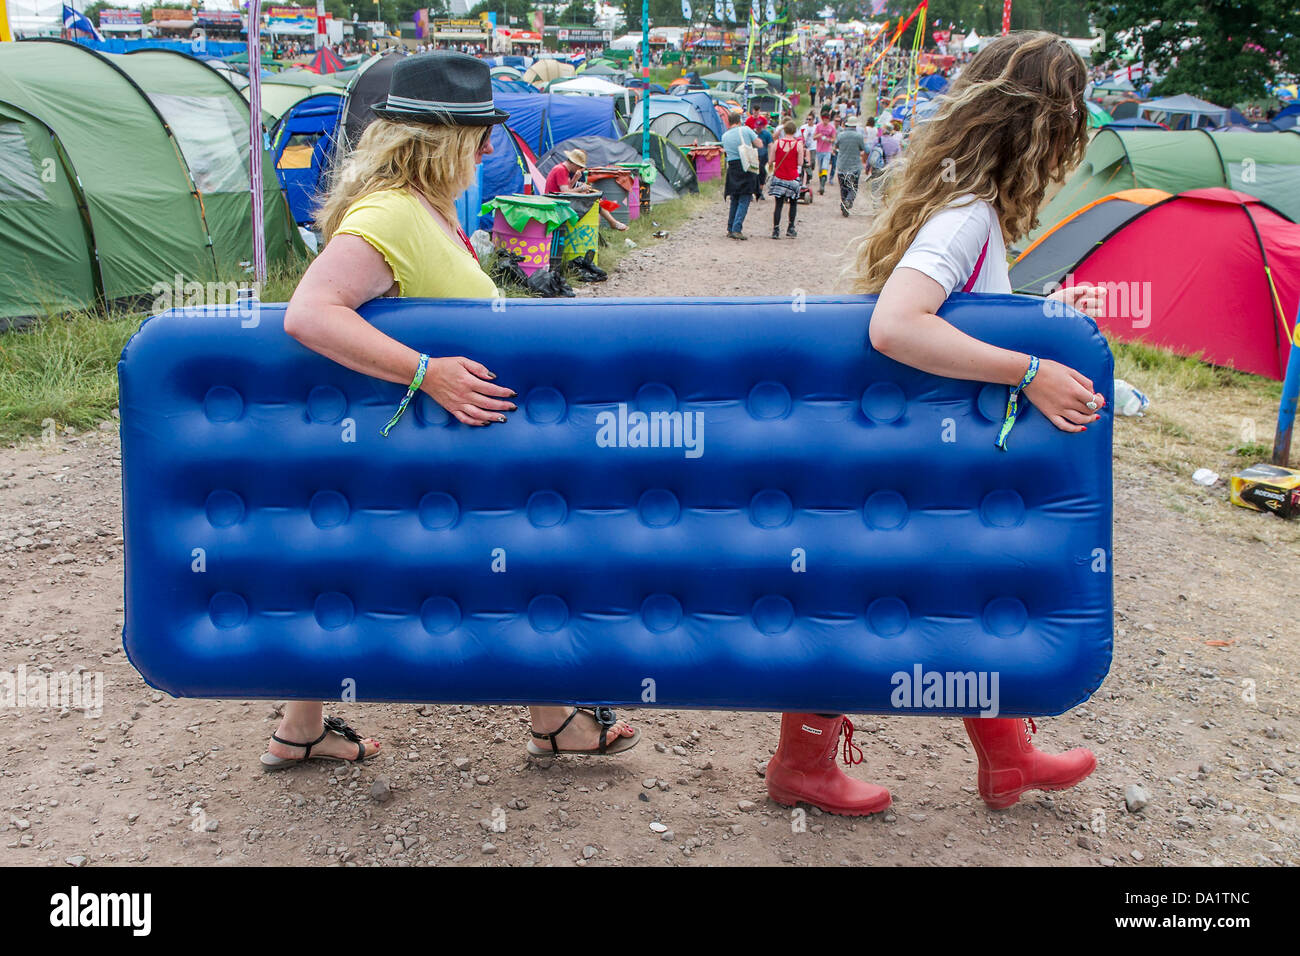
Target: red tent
<point>325,61</point>
<point>1212,273</point>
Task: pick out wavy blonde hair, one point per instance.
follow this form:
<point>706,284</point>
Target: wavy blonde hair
<point>436,161</point>
<point>1013,122</point>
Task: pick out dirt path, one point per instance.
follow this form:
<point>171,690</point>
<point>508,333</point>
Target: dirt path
<point>1199,708</point>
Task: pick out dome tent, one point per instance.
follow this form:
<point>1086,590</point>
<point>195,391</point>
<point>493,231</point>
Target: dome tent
<point>137,183</point>
<point>673,164</point>
<point>1164,272</point>
<point>688,133</point>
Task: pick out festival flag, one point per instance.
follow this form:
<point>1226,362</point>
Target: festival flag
<point>771,11</point>
<point>4,23</point>
<point>923,5</point>
<point>1006,17</point>
<point>731,11</point>
<point>718,9</point>
<point>76,20</point>
<point>686,10</point>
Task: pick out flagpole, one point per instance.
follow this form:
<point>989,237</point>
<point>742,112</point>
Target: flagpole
<point>255,136</point>
<point>645,74</point>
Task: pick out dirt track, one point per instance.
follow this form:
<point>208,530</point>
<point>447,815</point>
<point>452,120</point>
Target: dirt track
<point>1199,708</point>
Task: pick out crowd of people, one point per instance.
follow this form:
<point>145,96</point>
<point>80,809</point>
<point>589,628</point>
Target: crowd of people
<point>790,160</point>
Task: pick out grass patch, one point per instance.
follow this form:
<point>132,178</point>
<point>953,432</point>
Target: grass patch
<point>64,367</point>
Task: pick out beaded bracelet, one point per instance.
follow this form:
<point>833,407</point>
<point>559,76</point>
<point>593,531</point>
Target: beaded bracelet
<point>410,393</point>
<point>1013,405</point>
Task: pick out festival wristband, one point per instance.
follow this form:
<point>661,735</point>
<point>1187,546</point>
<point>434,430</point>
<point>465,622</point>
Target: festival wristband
<point>1013,404</point>
<point>410,393</point>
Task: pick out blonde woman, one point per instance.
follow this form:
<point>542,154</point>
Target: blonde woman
<point>390,227</point>
<point>973,178</point>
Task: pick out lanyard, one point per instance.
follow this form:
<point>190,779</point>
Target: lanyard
<point>465,239</point>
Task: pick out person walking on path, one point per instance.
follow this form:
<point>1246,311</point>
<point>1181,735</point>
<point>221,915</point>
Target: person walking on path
<point>850,151</point>
<point>824,136</point>
<point>784,185</point>
<point>741,182</point>
<point>1017,118</point>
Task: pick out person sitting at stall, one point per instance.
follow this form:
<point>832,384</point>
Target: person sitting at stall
<point>568,177</point>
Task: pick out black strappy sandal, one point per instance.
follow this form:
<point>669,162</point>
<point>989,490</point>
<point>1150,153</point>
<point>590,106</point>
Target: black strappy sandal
<point>333,725</point>
<point>605,717</point>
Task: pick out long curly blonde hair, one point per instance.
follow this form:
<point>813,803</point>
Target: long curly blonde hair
<point>436,161</point>
<point>1013,122</point>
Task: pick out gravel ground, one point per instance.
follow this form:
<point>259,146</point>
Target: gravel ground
<point>1198,718</point>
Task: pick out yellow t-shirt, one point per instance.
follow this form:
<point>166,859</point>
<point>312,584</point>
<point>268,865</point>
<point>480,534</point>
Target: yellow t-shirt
<point>425,261</point>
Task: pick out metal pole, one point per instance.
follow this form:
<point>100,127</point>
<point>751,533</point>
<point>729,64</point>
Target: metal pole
<point>645,73</point>
<point>1287,409</point>
<point>255,146</point>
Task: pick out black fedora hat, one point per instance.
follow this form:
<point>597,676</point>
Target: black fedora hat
<point>442,89</point>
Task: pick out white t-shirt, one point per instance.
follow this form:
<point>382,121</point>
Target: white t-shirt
<point>806,131</point>
<point>948,246</point>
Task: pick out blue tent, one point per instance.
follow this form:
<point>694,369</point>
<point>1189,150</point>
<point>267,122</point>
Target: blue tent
<point>704,105</point>
<point>934,83</point>
<point>503,84</point>
<point>544,119</point>
<point>310,124</point>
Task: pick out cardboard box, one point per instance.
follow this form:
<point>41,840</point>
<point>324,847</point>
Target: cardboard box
<point>1267,488</point>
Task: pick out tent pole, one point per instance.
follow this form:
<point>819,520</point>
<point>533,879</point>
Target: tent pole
<point>1290,393</point>
<point>255,136</point>
<point>645,73</point>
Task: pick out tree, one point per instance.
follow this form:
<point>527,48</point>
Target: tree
<point>578,13</point>
<point>504,9</point>
<point>1225,53</point>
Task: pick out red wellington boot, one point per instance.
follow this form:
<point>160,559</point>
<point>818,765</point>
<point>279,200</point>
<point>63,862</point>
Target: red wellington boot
<point>1010,765</point>
<point>804,769</point>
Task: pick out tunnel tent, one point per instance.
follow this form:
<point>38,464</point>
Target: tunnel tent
<point>144,216</point>
<point>1176,161</point>
<point>43,240</point>
<point>209,119</point>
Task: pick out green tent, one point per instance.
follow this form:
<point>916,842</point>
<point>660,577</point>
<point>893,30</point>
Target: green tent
<point>46,258</point>
<point>209,119</point>
<point>1097,116</point>
<point>1264,165</point>
<point>101,147</point>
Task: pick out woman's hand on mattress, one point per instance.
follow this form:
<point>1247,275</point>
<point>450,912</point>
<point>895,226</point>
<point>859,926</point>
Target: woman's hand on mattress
<point>1062,394</point>
<point>1088,299</point>
<point>465,389</point>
